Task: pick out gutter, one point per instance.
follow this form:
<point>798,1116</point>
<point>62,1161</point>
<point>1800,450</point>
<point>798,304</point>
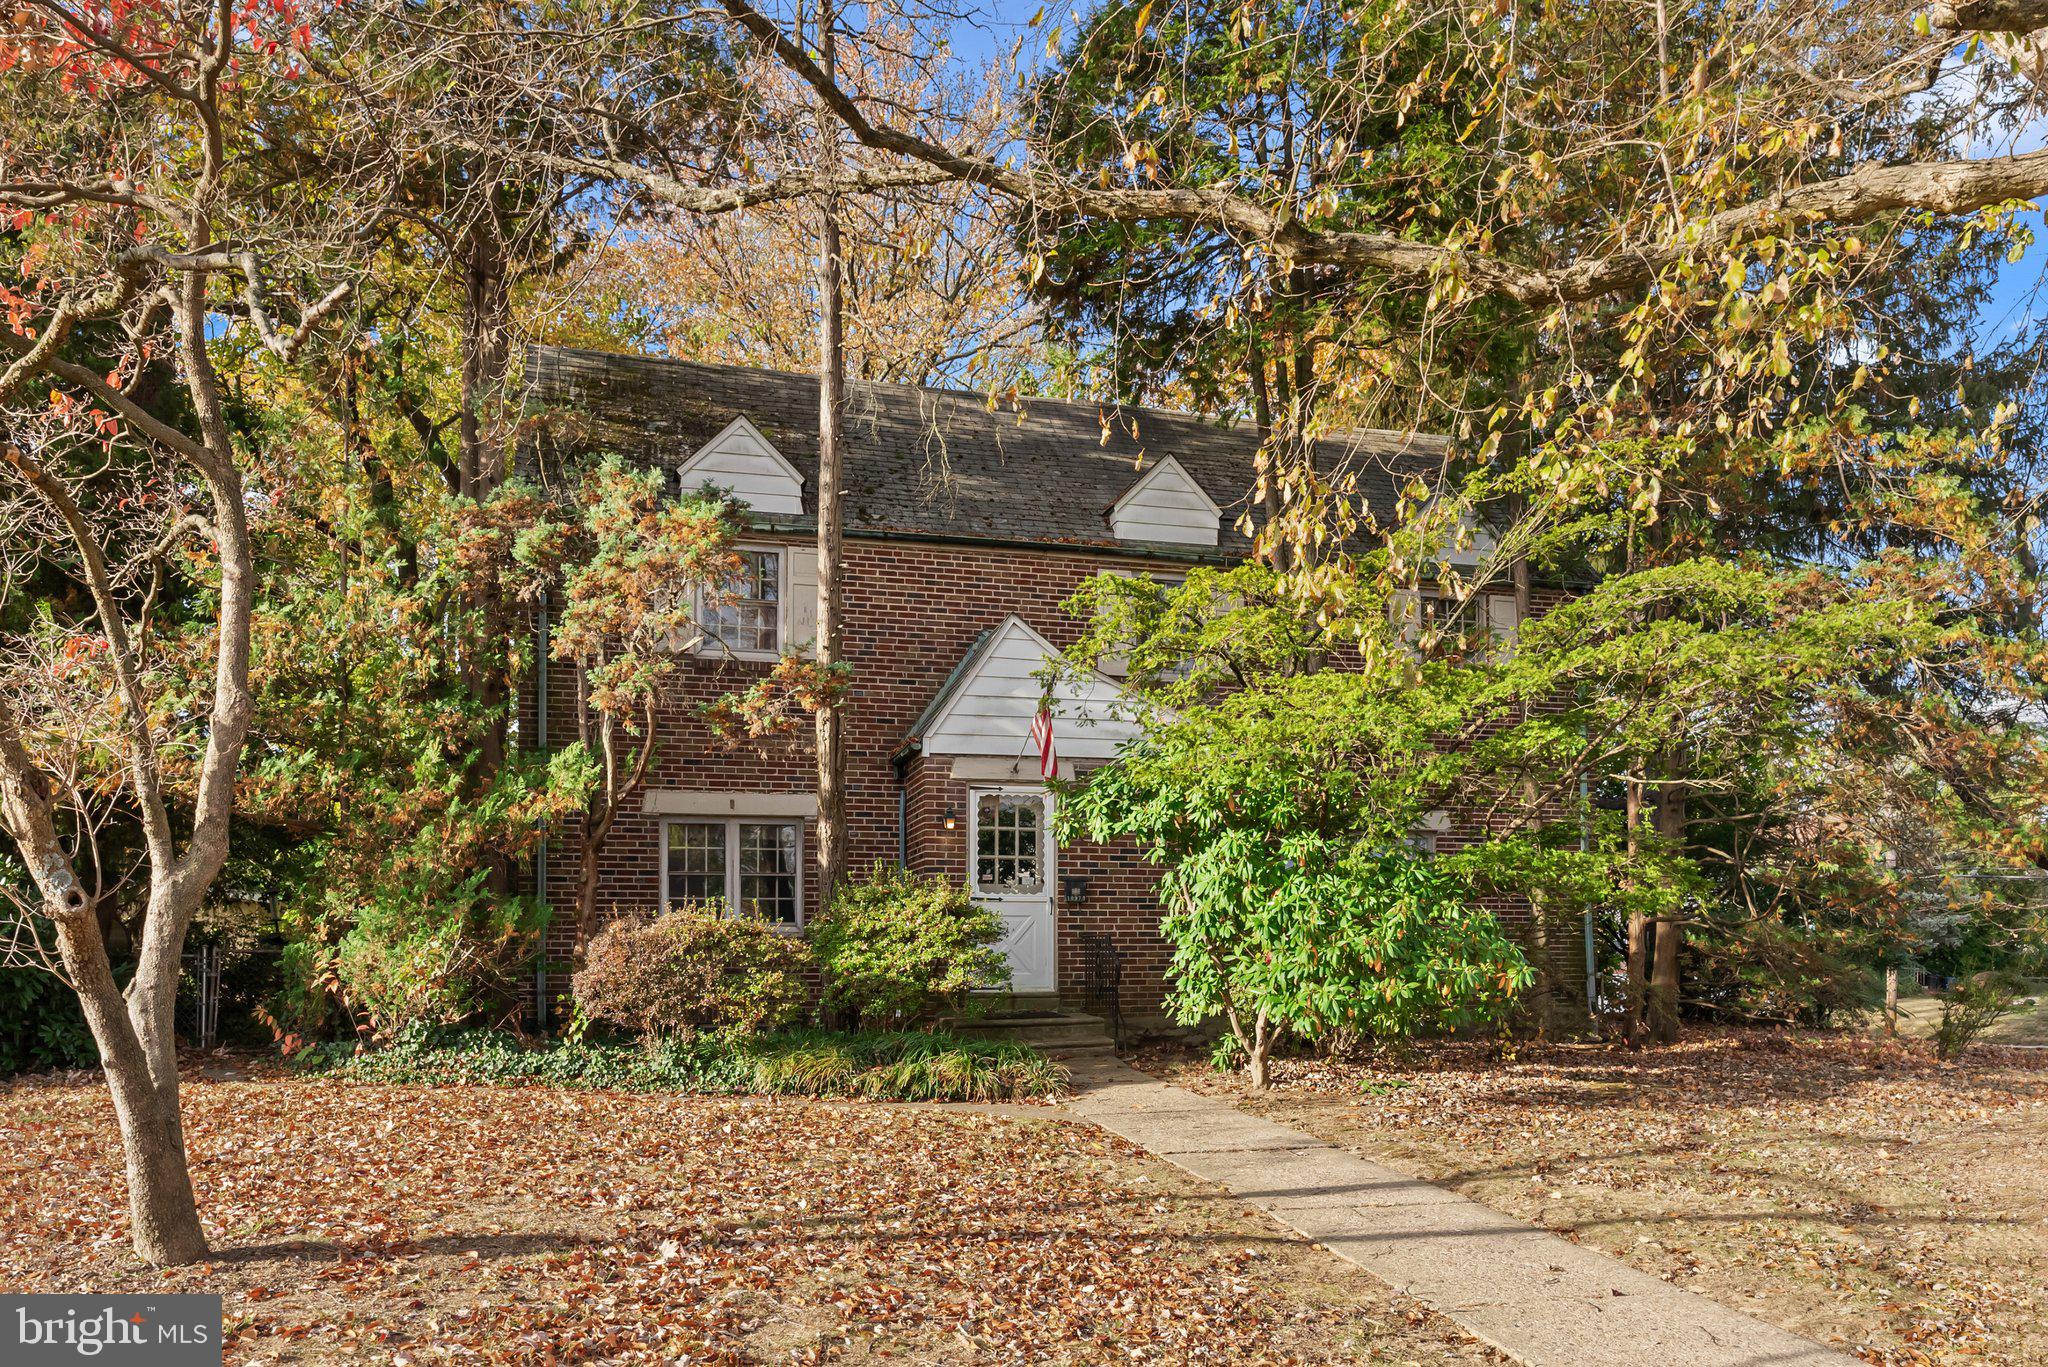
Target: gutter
<point>1120,550</point>
<point>1160,550</point>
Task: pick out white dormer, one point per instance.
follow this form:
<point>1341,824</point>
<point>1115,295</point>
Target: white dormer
<point>742,460</point>
<point>1471,543</point>
<point>1165,504</point>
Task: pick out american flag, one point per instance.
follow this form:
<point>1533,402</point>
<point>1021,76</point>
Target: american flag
<point>1041,735</point>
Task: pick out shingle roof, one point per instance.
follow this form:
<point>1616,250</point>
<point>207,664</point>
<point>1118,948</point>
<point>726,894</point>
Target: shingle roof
<point>939,462</point>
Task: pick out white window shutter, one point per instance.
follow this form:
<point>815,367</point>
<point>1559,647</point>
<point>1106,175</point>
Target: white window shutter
<point>1501,617</point>
<point>1114,664</point>
<point>1404,609</point>
<point>800,605</point>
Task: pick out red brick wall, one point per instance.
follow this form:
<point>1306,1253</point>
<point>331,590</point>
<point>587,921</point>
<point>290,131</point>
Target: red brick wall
<point>912,611</point>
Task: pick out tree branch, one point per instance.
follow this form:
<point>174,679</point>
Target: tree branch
<point>1989,16</point>
<point>282,346</point>
<point>700,199</point>
<point>143,767</point>
<point>148,424</point>
<point>1953,187</point>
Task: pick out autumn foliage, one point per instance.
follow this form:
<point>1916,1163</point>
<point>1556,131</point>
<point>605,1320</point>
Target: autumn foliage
<point>691,970</point>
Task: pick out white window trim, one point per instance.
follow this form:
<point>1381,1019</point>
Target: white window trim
<point>732,826</point>
<point>709,644</point>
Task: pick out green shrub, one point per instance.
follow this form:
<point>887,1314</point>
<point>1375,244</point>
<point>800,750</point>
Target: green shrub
<point>41,1025</point>
<point>688,972</point>
<point>898,948</point>
<point>413,952</point>
<point>1973,1006</point>
<point>898,1066</point>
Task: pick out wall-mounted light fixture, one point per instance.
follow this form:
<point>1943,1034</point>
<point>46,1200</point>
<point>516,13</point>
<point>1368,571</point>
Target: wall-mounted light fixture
<point>952,821</point>
<point>1073,890</point>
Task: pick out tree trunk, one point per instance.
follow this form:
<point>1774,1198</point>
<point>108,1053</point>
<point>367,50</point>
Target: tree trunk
<point>1664,981</point>
<point>1638,926</point>
<point>486,354</point>
<point>1544,988</point>
<point>139,1058</point>
<point>486,366</point>
<point>831,742</point>
<point>1891,1001</point>
<point>586,890</point>
<point>1259,1056</point>
<point>1671,928</point>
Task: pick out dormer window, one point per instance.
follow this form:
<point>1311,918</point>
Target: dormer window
<point>747,620</point>
<point>1165,504</point>
<point>744,463</point>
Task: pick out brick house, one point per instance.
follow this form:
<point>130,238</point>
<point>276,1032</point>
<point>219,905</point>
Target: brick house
<point>966,529</point>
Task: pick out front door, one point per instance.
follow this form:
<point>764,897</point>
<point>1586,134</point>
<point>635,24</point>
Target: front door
<point>1010,872</point>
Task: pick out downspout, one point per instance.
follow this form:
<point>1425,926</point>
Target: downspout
<point>902,765</point>
<point>540,853</point>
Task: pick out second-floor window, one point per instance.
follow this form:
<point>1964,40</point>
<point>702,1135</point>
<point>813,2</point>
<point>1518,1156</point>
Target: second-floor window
<point>750,621</point>
<point>1447,615</point>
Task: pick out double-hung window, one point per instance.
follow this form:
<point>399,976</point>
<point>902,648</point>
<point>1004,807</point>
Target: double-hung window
<point>1446,614</point>
<point>1118,666</point>
<point>747,618</point>
<point>1180,669</point>
<point>753,867</point>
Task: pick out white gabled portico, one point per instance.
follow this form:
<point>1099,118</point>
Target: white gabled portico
<point>980,721</point>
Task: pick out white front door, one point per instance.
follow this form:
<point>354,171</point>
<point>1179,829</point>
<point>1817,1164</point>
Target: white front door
<point>1009,869</point>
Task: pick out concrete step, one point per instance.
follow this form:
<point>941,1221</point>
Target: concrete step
<point>1041,1029</point>
<point>1011,1003</point>
<point>1104,1047</point>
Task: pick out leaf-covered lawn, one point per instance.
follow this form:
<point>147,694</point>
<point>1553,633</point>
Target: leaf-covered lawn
<point>1855,1192</point>
<point>414,1224</point>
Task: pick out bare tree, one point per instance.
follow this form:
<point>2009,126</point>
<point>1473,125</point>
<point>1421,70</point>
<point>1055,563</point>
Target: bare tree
<point>148,244</point>
<point>930,271</point>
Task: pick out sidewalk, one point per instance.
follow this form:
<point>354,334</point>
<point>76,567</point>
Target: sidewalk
<point>1537,1297</point>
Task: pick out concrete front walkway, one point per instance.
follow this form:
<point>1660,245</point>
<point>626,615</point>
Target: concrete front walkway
<point>1537,1297</point>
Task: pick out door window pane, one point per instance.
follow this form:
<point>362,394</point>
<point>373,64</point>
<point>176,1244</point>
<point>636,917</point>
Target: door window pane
<point>1009,836</point>
<point>768,871</point>
<point>696,862</point>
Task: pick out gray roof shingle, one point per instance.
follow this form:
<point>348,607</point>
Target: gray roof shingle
<point>942,463</point>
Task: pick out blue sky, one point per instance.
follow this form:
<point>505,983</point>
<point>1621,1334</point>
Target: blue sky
<point>2017,300</point>
<point>2017,304</point>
